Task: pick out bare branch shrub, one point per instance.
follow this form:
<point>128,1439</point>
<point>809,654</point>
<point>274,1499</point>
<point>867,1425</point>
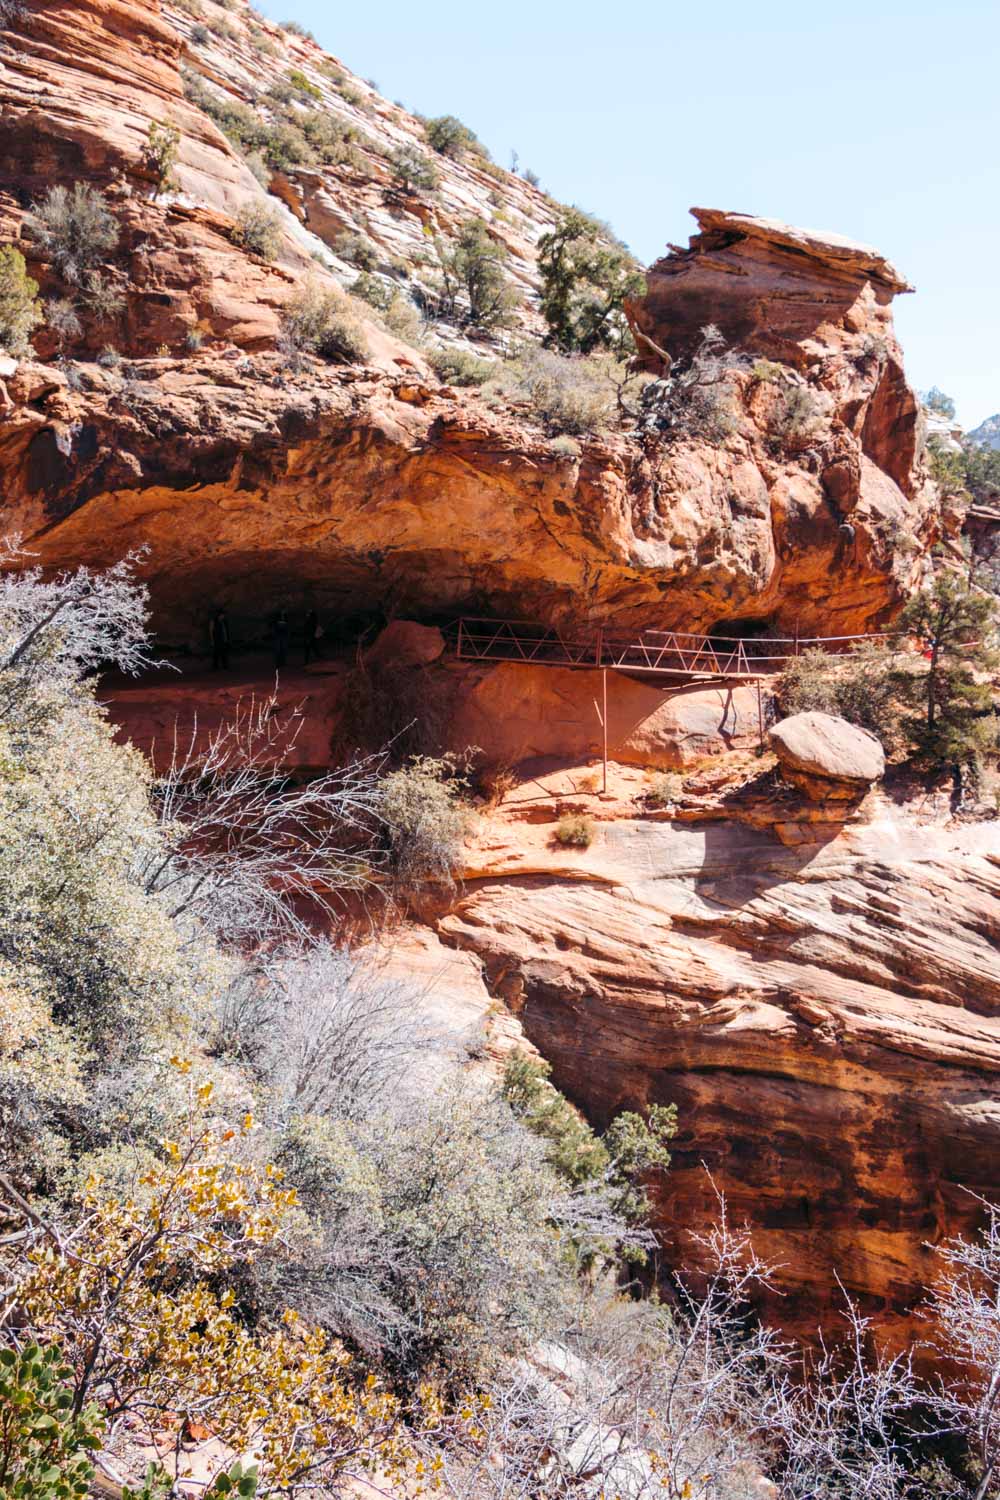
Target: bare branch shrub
<point>249,851</point>
<point>326,1032</point>
<point>55,631</point>
<point>965,1310</point>
<point>75,230</point>
<point>695,400</point>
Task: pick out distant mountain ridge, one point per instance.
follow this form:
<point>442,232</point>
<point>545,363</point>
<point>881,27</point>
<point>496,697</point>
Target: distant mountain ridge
<point>987,434</point>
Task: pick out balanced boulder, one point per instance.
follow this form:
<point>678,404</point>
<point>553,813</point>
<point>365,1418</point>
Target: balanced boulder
<point>826,757</point>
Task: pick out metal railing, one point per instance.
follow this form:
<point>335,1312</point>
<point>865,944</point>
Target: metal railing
<point>671,653</point>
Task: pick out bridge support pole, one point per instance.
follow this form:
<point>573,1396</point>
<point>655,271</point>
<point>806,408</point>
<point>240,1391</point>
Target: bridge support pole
<point>760,713</point>
<point>604,723</point>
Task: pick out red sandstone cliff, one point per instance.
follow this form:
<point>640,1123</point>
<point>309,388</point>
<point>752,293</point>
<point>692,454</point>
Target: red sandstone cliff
<point>825,1016</point>
<point>376,487</point>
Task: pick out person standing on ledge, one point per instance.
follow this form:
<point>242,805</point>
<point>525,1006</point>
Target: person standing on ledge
<point>218,631</point>
<point>281,639</point>
<point>312,634</point>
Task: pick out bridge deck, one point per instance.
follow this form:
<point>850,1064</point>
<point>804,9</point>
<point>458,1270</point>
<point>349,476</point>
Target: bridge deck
<point>665,653</point>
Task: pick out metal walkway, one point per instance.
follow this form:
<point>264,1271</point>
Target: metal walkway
<point>664,653</point>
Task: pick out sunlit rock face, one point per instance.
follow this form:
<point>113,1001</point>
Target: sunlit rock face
<point>373,487</point>
<point>826,1017</point>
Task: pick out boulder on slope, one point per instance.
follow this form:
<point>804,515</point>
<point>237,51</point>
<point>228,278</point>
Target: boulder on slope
<point>826,757</point>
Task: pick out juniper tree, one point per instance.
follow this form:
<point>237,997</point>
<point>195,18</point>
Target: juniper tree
<point>949,700</point>
<point>585,280</point>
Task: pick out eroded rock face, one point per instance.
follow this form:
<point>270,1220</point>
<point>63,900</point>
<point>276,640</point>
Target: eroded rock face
<point>374,489</point>
<point>826,756</point>
<point>827,1020</point>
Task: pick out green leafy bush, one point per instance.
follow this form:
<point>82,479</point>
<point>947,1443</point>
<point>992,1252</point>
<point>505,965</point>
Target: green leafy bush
<point>619,1161</point>
<point>461,367</point>
<point>586,277</point>
<point>74,230</point>
<point>303,85</point>
<point>20,309</point>
<point>664,789</point>
<point>861,687</point>
<point>936,401</point>
<point>45,1446</point>
<point>160,155</point>
<point>374,291</point>
<point>568,393</point>
<point>412,170</point>
<point>449,137</point>
<point>950,698</point>
<point>357,249</point>
<point>473,287</point>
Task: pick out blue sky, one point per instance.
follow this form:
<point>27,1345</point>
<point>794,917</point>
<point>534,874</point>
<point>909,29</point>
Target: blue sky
<point>879,120</point>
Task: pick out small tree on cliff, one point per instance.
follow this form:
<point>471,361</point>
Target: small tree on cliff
<point>473,287</point>
<point>950,703</point>
<point>20,310</point>
<point>585,280</point>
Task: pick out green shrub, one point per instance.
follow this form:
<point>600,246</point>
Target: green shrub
<point>357,249</point>
<point>860,687</point>
<point>402,319</point>
<point>257,229</point>
<point>619,1161</point>
<point>159,155</point>
<point>74,230</point>
<point>586,277</point>
<point>374,291</point>
<point>295,29</point>
<point>220,27</point>
<point>200,35</point>
<point>20,309</point>
<point>303,85</point>
<point>575,831</point>
<point>322,323</point>
<point>333,140</point>
<point>795,419</point>
<point>413,170</point>
<point>936,401</point>
<point>664,789</point>
<point>461,367</point>
<point>426,819</point>
<point>45,1446</point>
<point>437,1251</point>
<point>449,137</point>
<point>473,288</point>
<point>567,393</point>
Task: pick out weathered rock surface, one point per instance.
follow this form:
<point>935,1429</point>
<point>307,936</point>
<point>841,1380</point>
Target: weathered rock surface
<point>827,1020</point>
<point>516,712</point>
<point>826,756</point>
<point>373,489</point>
<point>511,712</point>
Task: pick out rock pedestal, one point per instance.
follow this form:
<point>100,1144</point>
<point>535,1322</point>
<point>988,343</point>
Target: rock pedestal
<point>826,758</point>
